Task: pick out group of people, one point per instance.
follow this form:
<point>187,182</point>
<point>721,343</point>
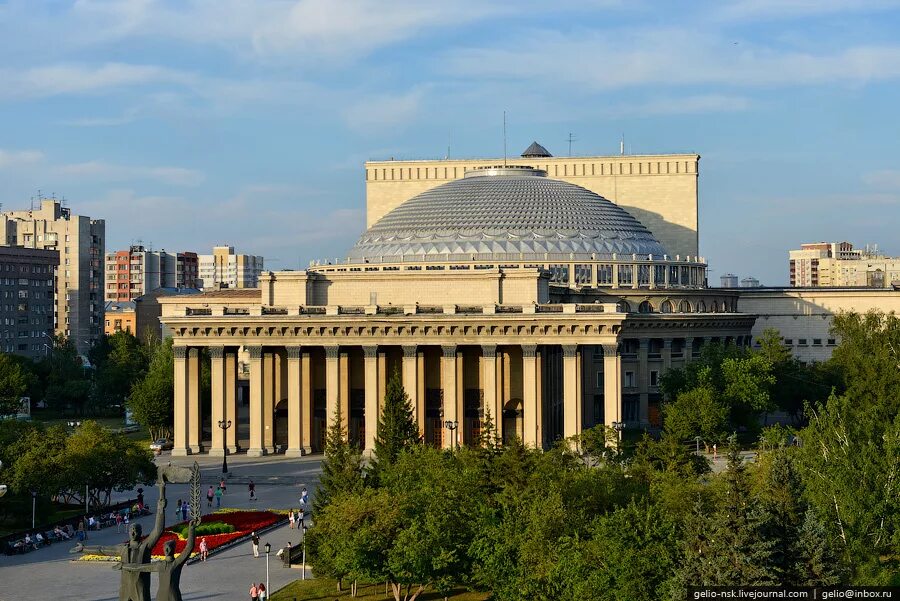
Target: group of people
<point>216,494</point>
<point>258,592</point>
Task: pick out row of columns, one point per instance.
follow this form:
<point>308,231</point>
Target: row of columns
<point>266,389</point>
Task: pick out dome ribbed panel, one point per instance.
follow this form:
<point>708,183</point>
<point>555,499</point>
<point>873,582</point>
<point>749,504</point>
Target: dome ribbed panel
<point>507,215</point>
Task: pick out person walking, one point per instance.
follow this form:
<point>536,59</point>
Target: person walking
<point>222,485</point>
<point>178,509</point>
<point>204,549</point>
<point>304,496</point>
<point>184,510</point>
<point>300,516</point>
<point>291,517</point>
<point>209,497</point>
<point>254,592</point>
<point>119,522</point>
<point>251,488</point>
<point>254,540</point>
<point>219,493</point>
<point>263,594</point>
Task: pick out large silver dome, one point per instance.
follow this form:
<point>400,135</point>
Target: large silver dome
<point>506,211</point>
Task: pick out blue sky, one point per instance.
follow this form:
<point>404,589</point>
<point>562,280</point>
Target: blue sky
<point>190,123</point>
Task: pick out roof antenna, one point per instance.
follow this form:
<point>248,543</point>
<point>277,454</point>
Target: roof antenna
<point>622,145</point>
<point>572,138</point>
<point>504,138</point>
<point>449,140</point>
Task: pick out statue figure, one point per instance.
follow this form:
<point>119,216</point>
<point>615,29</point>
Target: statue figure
<point>135,586</point>
<point>169,568</point>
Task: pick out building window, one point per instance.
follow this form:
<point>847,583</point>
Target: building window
<point>817,342</point>
<point>832,342</point>
<point>789,342</point>
<point>629,379</point>
<point>801,342</point>
<point>600,380</point>
<point>654,377</point>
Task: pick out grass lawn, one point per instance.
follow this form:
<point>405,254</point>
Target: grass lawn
<point>325,589</point>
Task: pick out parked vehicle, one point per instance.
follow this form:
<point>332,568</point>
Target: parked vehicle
<point>163,444</point>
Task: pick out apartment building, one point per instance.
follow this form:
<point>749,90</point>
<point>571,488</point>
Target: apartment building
<point>134,272</point>
<point>839,265</point>
<point>27,300</point>
<point>225,269</point>
<point>80,242</point>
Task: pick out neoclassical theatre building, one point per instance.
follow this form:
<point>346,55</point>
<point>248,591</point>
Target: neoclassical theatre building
<point>494,290</point>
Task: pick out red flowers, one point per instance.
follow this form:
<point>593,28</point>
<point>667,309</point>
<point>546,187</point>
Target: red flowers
<point>244,523</point>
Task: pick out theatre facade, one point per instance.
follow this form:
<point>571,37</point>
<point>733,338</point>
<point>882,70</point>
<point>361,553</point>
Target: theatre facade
<point>503,293</point>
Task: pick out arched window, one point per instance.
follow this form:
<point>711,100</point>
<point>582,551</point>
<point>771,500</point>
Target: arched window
<point>724,306</point>
<point>645,307</point>
<point>623,306</point>
<point>667,307</point>
<point>715,307</point>
<point>684,307</point>
<point>701,307</point>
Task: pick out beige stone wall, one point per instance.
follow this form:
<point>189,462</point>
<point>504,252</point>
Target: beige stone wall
<point>804,316</point>
<point>659,190</point>
<point>423,287</point>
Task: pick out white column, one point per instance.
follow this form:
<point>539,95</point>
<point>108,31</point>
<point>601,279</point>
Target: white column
<point>370,354</point>
<point>448,378</point>
<point>571,402</point>
<point>411,381</point>
<point>195,415</point>
<point>217,404</point>
<point>489,382</point>
<point>643,381</point>
<point>295,413</point>
<point>257,418</point>
<point>231,412</point>
<point>180,448</point>
<point>332,383</point>
<point>612,384</point>
<point>530,406</point>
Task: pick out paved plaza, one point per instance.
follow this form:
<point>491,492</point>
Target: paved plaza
<point>49,573</point>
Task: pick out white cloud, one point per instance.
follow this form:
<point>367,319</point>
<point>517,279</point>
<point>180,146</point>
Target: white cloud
<point>743,10</point>
<point>887,179</point>
<point>17,158</point>
<point>59,79</point>
<point>110,172</point>
<point>623,59</point>
<point>381,112</point>
<point>702,103</point>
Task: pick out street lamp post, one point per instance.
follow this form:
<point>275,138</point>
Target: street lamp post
<point>304,553</point>
<point>697,440</point>
<point>268,548</point>
<point>452,425</point>
<point>225,424</point>
<point>33,505</point>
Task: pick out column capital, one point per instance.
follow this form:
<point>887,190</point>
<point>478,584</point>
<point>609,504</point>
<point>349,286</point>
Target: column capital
<point>449,350</point>
<point>180,352</point>
<point>689,341</point>
<point>707,339</point>
<point>216,352</point>
<point>644,343</point>
<point>489,351</point>
<point>294,352</point>
<point>370,352</point>
<point>193,352</point>
<point>255,352</point>
<point>667,343</point>
<point>570,350</point>
<point>529,351</point>
<point>332,352</point>
<point>409,350</point>
<point>610,350</point>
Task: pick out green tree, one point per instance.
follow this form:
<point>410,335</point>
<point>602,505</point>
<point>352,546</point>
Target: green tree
<point>696,412</point>
<point>397,429</point>
<point>816,559</point>
<point>120,361</point>
<point>13,384</point>
<point>152,397</point>
<point>732,546</point>
<point>341,466</point>
<point>68,382</point>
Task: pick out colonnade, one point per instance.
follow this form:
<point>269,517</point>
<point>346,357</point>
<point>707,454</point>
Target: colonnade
<point>460,384</point>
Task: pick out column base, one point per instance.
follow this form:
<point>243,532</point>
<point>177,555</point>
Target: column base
<point>255,452</point>
<point>181,452</point>
<point>270,450</point>
<point>233,450</point>
<point>307,450</point>
<point>196,449</point>
<point>217,452</point>
<point>294,453</point>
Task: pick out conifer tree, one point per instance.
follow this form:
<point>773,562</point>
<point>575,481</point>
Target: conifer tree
<point>817,560</point>
<point>397,428</point>
<point>341,467</point>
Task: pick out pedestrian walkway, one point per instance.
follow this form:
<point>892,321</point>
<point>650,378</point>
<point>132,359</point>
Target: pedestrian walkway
<point>227,575</point>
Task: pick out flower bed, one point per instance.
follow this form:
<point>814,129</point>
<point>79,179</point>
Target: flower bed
<point>243,522</point>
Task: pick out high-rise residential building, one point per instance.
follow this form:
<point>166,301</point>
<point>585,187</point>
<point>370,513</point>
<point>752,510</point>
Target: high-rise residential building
<point>838,264</point>
<point>80,242</point>
<point>225,269</point>
<point>27,300</point>
<point>729,280</point>
<point>134,272</point>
